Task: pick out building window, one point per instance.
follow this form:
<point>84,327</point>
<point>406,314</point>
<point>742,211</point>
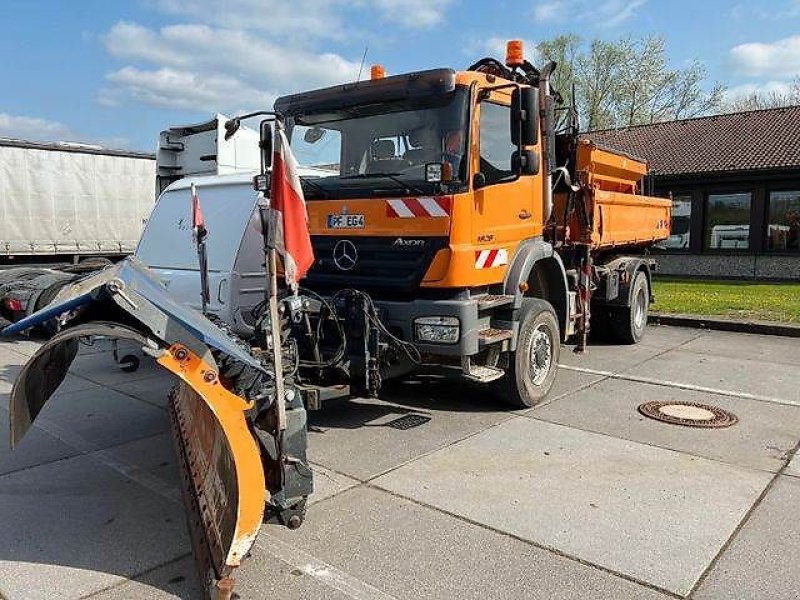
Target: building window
<point>681,221</point>
<point>727,224</point>
<point>783,227</point>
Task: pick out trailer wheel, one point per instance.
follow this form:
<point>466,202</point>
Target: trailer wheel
<point>532,367</point>
<point>627,324</point>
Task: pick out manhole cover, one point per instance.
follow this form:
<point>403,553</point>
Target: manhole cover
<point>408,422</point>
<point>691,414</point>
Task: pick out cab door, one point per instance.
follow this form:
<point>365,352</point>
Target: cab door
<point>507,207</point>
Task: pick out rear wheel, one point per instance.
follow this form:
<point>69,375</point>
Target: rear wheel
<point>532,367</point>
<point>627,324</point>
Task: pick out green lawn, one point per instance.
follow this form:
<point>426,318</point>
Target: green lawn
<point>733,299</point>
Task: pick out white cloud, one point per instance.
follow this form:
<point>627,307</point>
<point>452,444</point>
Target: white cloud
<point>780,58</point>
<point>204,68</point>
<point>598,13</point>
<point>615,12</point>
<point>744,90</point>
<point>36,129</point>
<point>281,18</point>
<point>414,13</point>
<point>171,88</point>
<point>32,128</point>
<point>549,11</point>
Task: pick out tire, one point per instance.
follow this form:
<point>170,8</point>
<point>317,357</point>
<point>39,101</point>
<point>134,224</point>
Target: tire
<point>525,385</point>
<point>627,324</point>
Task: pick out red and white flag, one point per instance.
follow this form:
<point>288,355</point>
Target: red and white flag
<point>289,216</point>
<point>198,222</point>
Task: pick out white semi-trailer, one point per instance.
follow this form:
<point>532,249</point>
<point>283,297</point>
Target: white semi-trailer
<point>61,202</point>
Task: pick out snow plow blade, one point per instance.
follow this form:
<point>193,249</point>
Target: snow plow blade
<point>222,478</point>
<point>232,461</point>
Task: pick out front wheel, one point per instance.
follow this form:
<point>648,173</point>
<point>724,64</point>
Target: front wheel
<point>532,366</point>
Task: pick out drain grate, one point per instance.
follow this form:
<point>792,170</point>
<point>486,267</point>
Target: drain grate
<point>408,422</point>
<point>689,414</point>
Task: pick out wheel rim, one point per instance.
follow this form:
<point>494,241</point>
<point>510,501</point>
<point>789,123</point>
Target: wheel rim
<point>640,310</point>
<point>541,355</point>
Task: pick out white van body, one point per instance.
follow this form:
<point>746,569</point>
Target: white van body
<point>222,171</point>
<point>236,277</point>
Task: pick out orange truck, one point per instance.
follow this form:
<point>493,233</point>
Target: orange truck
<point>455,223</point>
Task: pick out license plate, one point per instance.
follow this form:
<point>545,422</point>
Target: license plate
<point>345,221</point>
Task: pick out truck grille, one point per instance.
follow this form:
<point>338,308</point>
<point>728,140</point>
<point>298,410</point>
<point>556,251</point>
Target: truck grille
<point>382,264</point>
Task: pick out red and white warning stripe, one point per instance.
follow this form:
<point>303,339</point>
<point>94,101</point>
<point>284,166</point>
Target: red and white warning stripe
<point>408,208</point>
<point>486,259</point>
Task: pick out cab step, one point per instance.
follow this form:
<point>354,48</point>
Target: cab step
<point>489,301</point>
<point>480,373</point>
<point>489,336</point>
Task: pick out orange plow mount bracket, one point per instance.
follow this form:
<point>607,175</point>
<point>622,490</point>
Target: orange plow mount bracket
<point>222,473</point>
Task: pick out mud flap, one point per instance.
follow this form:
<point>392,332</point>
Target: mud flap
<point>222,475</point>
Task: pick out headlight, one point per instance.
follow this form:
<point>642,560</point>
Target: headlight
<point>440,330</point>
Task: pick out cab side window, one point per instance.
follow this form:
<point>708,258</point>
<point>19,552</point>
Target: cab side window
<point>495,140</point>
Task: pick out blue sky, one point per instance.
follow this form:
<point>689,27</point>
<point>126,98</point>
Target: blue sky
<point>117,72</point>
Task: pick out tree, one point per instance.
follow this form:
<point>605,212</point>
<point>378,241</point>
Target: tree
<point>757,100</point>
<point>627,82</point>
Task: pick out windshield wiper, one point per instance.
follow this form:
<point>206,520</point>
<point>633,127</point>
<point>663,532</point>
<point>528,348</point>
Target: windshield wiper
<point>305,179</point>
<point>393,176</point>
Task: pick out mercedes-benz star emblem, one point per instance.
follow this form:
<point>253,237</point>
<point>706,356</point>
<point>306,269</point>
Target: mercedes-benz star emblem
<point>345,255</point>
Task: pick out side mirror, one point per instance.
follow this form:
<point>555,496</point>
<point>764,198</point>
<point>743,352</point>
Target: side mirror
<point>266,145</point>
<point>524,112</point>
<point>525,162</point>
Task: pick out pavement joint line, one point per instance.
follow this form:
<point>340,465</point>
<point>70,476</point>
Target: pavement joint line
<point>435,450</point>
<point>648,444</point>
<point>106,457</point>
<point>745,519</point>
<point>323,572</point>
<point>319,570</point>
<point>604,376</point>
<point>79,453</point>
<point>684,386</point>
<point>113,389</point>
<point>127,580</point>
<point>535,544</point>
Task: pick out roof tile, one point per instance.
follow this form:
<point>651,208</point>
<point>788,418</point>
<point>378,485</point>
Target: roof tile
<point>745,141</point>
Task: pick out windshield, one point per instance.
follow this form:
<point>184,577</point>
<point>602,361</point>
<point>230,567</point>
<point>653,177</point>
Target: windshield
<point>382,148</point>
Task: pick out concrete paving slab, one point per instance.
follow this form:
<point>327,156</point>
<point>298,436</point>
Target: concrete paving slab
<point>794,466</point>
<point>762,439</point>
<point>100,367</point>
<point>74,527</point>
<point>328,483</point>
<point>761,562</point>
<point>21,344</point>
<point>361,438</point>
<point>101,416</point>
<point>634,509</point>
<point>763,348</point>
<point>174,580</point>
<point>616,357</point>
<point>36,448</point>
<point>410,551</point>
<point>153,389</point>
<point>721,372</point>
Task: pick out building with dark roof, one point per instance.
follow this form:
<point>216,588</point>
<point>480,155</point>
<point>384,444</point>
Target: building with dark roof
<point>735,184</point>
